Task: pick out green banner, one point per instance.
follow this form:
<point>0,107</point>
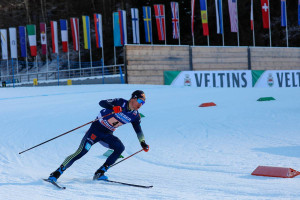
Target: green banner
<point>170,76</point>
<point>256,74</point>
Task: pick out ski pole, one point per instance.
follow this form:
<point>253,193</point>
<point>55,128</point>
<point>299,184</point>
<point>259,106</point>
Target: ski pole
<point>127,157</point>
<point>65,133</point>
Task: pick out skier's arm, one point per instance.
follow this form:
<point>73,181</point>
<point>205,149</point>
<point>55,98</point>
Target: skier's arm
<point>137,127</point>
<point>138,130</point>
<point>111,104</point>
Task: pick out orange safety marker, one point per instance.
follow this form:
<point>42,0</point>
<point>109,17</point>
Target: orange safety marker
<point>275,172</point>
<point>207,104</point>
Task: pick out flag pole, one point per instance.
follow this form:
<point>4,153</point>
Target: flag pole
<point>37,70</point>
<point>17,65</point>
<point>102,64</point>
<point>238,32</point>
<point>69,62</point>
<point>151,28</point>
<point>27,66</point>
<point>78,41</point>
<point>178,25</point>
<point>115,55</point>
<point>253,32</point>
<point>138,21</point>
<point>46,50</point>
<point>57,57</point>
<point>114,44</point>
<point>270,36</point>
<point>102,52</point>
<point>91,59</point>
<point>7,68</point>
<point>47,59</point>
<point>222,24</point>
<point>192,20</point>
<point>13,74</point>
<point>26,53</point>
<point>207,22</point>
<point>165,26</point>
<point>68,50</point>
<point>286,27</point>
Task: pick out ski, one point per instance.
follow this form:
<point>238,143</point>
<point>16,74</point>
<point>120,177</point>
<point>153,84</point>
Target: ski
<point>55,184</point>
<point>129,184</point>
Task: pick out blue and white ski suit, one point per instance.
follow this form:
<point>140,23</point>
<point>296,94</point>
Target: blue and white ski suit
<point>102,131</point>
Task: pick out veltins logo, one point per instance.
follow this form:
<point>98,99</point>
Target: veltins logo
<point>270,80</point>
<point>187,80</point>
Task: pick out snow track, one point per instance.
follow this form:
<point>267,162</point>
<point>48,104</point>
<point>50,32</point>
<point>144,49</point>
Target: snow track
<point>195,153</point>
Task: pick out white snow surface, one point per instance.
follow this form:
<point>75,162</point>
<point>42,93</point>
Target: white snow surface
<point>195,152</point>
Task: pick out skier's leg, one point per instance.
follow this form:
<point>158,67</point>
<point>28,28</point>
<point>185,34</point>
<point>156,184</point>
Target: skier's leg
<point>87,141</point>
<point>114,143</point>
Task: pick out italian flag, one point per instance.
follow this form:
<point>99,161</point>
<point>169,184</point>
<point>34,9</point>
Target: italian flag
<point>32,39</point>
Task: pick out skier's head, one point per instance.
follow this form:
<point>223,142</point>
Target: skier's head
<point>138,94</point>
<point>138,99</point>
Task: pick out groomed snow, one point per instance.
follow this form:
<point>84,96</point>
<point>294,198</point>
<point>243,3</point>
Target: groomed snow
<point>195,153</point>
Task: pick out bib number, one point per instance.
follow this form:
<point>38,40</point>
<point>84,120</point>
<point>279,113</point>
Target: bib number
<point>114,122</point>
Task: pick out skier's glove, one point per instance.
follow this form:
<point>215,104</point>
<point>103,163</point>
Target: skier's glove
<point>145,146</point>
<point>117,109</point>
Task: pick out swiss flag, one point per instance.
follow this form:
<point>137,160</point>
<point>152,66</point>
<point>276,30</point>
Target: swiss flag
<point>265,13</point>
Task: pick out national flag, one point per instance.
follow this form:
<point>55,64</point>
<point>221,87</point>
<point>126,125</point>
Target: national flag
<point>283,13</point>
<point>13,42</point>
<point>3,33</point>
<point>32,39</point>
<point>147,23</point>
<point>64,34</point>
<point>233,15</point>
<point>299,12</point>
<point>86,32</point>
<point>265,13</point>
<point>120,33</point>
<point>159,10</point>
<point>204,17</point>
<point>135,25</point>
<point>43,38</point>
<point>54,36</point>
<point>117,31</point>
<point>192,15</point>
<point>175,20</point>
<point>98,30</point>
<point>219,16</point>
<point>122,23</point>
<point>75,33</point>
<point>251,16</point>
<point>22,36</point>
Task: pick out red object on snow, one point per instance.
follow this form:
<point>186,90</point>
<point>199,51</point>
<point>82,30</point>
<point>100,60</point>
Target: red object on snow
<point>275,172</point>
<point>207,104</point>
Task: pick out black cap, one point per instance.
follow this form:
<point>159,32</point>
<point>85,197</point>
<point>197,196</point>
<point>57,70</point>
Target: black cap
<point>138,94</point>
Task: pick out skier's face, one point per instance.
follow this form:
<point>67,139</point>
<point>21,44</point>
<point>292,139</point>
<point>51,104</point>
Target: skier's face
<point>137,103</point>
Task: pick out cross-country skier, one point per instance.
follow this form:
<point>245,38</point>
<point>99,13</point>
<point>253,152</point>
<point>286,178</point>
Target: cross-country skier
<point>116,112</point>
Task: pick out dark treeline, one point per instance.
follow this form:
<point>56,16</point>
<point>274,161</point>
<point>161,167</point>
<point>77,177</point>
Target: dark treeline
<point>21,12</point>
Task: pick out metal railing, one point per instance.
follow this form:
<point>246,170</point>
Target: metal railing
<point>21,71</point>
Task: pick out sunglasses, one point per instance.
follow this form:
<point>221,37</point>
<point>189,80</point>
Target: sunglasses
<point>140,101</point>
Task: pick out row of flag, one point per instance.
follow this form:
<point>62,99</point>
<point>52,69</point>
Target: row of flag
<point>120,30</point>
<point>29,31</point>
<point>232,5</point>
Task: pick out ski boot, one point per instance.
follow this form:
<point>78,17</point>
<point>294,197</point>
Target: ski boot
<point>99,174</point>
<point>56,174</point>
